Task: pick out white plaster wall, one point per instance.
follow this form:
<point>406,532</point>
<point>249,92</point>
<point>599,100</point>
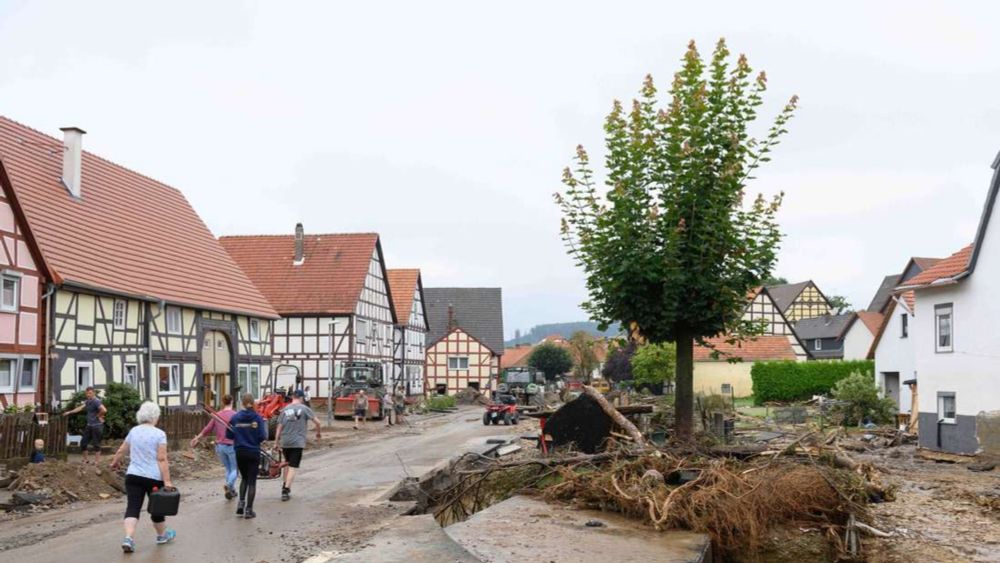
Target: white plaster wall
<point>972,370</point>
<point>896,354</point>
<point>857,341</point>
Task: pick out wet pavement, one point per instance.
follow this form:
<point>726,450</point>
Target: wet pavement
<point>335,506</point>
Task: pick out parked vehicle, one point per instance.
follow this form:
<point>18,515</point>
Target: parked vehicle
<point>522,383</point>
<point>504,410</point>
<point>601,385</point>
<point>359,376</point>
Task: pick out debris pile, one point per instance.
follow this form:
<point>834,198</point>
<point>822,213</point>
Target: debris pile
<point>471,396</point>
<point>58,482</point>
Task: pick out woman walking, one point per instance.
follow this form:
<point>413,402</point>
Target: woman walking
<point>247,431</point>
<point>146,446</point>
<point>223,446</point>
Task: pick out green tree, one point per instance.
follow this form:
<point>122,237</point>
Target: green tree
<point>860,401</point>
<point>671,248</point>
<point>654,364</point>
<point>581,347</point>
<point>772,280</point>
<point>551,360</point>
<point>122,402</point>
<point>840,304</point>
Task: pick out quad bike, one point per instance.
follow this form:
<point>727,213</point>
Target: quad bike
<point>505,410</point>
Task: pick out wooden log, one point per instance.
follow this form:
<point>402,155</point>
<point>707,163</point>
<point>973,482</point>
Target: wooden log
<point>616,416</point>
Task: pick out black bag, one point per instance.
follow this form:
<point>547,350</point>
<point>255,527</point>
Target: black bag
<point>164,502</point>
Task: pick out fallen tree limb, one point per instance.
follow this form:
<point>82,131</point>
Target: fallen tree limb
<point>871,531</point>
<point>616,416</point>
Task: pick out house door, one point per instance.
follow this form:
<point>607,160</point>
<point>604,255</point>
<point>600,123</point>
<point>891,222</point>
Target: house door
<point>890,383</point>
<point>214,367</point>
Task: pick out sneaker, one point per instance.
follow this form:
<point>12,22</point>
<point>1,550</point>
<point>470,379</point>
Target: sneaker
<point>250,514</point>
<point>167,537</point>
<point>230,492</point>
<point>239,509</point>
<point>286,493</point>
<point>128,546</point>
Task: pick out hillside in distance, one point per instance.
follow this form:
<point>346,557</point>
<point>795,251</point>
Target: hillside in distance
<point>565,330</point>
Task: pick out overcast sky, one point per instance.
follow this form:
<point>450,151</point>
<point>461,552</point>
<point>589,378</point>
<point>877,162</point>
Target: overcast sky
<point>444,127</point>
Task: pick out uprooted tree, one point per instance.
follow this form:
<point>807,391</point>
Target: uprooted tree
<point>670,248</point>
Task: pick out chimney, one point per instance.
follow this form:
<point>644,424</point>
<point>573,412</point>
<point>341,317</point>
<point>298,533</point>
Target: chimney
<point>300,256</point>
<point>451,317</point>
<point>72,159</point>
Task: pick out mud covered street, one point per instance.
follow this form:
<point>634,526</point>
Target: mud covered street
<point>335,506</point>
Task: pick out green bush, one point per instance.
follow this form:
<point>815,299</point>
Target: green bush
<point>653,364</point>
<point>122,402</point>
<point>441,402</point>
<point>861,401</point>
<point>793,381</point>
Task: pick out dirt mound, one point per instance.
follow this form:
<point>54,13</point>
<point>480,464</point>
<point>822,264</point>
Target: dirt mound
<point>61,482</point>
<point>580,422</point>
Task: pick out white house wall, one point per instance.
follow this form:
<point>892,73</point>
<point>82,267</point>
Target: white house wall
<point>895,354</point>
<point>857,341</point>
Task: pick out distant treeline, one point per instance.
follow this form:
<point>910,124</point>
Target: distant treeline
<point>563,329</point>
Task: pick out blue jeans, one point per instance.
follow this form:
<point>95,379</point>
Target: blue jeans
<point>227,455</point>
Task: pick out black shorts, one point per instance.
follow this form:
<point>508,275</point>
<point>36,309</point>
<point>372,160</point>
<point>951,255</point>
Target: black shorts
<point>360,413</point>
<point>138,488</point>
<point>293,456</point>
<point>92,438</point>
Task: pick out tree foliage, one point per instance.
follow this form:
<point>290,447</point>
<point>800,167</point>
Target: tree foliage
<point>861,402</point>
<point>581,347</point>
<point>772,280</point>
<point>618,365</point>
<point>670,247</point>
<point>551,360</point>
<point>840,304</point>
<point>122,402</point>
<point>654,364</point>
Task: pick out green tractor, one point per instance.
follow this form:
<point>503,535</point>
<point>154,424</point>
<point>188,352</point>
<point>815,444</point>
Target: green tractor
<point>526,384</point>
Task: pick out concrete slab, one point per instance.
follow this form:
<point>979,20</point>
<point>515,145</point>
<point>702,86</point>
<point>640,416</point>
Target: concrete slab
<point>525,529</point>
<point>415,539</point>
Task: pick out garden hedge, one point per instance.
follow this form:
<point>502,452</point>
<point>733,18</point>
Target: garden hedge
<point>793,381</point>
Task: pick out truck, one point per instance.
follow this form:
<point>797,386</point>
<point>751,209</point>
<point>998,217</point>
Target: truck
<point>522,383</point>
<point>359,376</point>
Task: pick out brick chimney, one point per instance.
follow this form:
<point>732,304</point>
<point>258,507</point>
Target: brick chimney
<point>300,236</point>
<point>451,318</point>
<point>72,159</point>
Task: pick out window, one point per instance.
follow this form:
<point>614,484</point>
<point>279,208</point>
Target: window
<point>84,376</point>
<point>818,344</point>
<point>362,327</point>
<point>943,328</point>
<point>946,407</point>
<point>458,362</point>
<point>10,292</point>
<point>220,344</point>
<point>249,380</point>
<point>254,330</point>
<point>170,379</point>
<point>29,374</point>
<point>173,320</point>
<point>904,321</point>
<point>131,375</point>
<point>7,367</point>
<point>119,314</point>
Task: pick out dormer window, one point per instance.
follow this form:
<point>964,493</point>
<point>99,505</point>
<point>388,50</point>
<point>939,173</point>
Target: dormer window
<point>818,344</point>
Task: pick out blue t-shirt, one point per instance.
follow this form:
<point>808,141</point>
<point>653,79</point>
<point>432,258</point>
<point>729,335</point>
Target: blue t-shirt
<point>143,442</point>
<point>93,408</point>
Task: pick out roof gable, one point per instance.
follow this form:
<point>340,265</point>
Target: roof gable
<point>784,295</point>
<point>328,281</point>
<point>127,234</point>
<point>405,284</point>
<point>948,270</point>
<point>476,310</point>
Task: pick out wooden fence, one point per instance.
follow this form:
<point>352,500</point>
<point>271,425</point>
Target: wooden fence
<point>181,426</point>
<point>18,434</point>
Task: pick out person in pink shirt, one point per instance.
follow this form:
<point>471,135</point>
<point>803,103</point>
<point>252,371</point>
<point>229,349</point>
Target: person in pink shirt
<point>223,446</point>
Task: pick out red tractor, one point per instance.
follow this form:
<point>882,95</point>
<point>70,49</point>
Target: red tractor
<point>359,376</point>
<point>504,410</point>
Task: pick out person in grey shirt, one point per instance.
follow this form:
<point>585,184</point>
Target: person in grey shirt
<point>92,433</point>
<point>291,435</point>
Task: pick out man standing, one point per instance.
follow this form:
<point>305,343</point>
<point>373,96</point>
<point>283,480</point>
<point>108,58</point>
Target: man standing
<point>94,430</point>
<point>387,408</point>
<point>291,434</point>
<point>360,408</point>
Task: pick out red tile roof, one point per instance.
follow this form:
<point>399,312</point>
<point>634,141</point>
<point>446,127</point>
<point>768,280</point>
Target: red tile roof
<point>911,300</point>
<point>329,281</point>
<point>127,234</point>
<point>761,348</point>
<point>950,267</point>
<point>515,357</point>
<point>871,319</point>
<point>402,285</point>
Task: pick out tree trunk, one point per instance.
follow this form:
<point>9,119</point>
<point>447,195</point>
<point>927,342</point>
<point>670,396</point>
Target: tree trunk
<point>616,416</point>
<point>684,387</point>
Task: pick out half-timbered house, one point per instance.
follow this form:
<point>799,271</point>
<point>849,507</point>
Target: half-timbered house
<point>801,300</point>
<point>411,330</point>
<point>333,298</point>
<point>465,341</point>
<point>140,291</point>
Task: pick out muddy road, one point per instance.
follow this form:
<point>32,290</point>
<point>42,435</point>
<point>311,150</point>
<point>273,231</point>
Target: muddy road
<point>335,505</point>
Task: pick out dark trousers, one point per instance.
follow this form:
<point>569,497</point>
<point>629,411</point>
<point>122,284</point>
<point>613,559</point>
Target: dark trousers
<point>138,488</point>
<point>92,438</point>
<point>248,462</point>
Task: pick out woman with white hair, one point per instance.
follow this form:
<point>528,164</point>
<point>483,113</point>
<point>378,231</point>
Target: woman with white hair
<point>146,446</point>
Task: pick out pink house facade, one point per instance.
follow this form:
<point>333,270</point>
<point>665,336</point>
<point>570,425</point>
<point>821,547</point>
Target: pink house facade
<point>21,318</point>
